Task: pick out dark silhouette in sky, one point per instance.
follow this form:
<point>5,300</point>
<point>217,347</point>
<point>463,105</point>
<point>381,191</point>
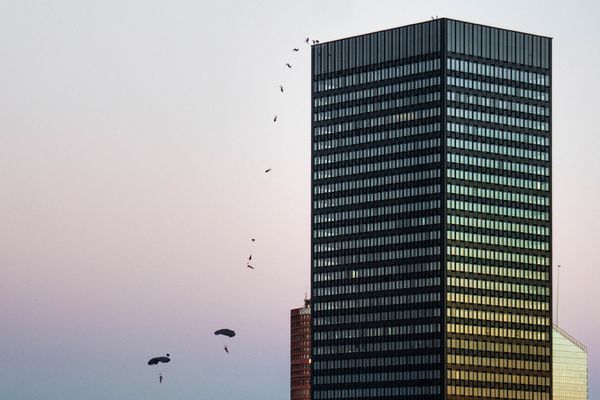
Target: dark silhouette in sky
<point>225,332</point>
<point>156,360</point>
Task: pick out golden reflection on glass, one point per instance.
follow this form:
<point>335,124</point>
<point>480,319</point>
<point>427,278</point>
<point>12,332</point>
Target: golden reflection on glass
<point>569,367</point>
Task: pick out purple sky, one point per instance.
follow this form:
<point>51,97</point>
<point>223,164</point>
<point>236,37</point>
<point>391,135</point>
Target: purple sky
<point>133,140</point>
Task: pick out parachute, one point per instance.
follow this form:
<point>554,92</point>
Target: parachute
<point>225,332</point>
<point>156,360</point>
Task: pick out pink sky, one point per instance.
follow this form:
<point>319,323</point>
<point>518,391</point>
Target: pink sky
<point>133,140</point>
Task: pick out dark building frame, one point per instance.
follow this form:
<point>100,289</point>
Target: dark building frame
<point>502,66</point>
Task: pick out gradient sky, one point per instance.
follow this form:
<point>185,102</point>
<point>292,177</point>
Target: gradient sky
<point>133,140</point>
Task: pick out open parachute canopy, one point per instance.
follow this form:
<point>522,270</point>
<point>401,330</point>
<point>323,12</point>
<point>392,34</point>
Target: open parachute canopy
<point>225,332</point>
<point>156,360</point>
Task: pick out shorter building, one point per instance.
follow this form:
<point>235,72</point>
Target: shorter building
<point>300,350</point>
<point>569,367</point>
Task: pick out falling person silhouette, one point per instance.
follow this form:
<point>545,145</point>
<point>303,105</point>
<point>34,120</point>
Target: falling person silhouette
<point>159,378</point>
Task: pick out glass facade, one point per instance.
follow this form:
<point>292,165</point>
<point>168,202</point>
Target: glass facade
<point>569,367</point>
<point>498,213</point>
<point>431,214</point>
<point>377,215</point>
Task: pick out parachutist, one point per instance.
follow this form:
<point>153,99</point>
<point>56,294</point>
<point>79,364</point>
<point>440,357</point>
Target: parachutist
<point>159,378</point>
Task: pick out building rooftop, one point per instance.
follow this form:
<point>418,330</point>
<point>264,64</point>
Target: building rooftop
<point>570,338</point>
<point>428,22</point>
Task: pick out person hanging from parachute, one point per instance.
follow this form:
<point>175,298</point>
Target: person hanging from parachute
<point>156,361</point>
<point>225,332</point>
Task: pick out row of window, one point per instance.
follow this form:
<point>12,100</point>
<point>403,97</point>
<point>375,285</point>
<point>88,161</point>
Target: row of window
<point>497,179</point>
<point>377,196</point>
<point>494,240</point>
<point>498,210</point>
<point>396,345</point>
<point>298,336</point>
<point>498,347</point>
<point>341,334</point>
<point>377,91</point>
<point>482,162</point>
<point>377,166</point>
<point>470,237</point>
<point>300,356</point>
<point>301,368</point>
<point>376,211</point>
<point>479,300</point>
<point>387,270</point>
<point>498,225</point>
<point>370,137</point>
<point>377,316</point>
<point>498,72</point>
<point>361,78</point>
<point>383,301</point>
<point>481,284</point>
<point>299,343</point>
<point>497,271</point>
<point>410,391</point>
<point>376,226</point>
<point>497,88</point>
<point>498,316</point>
<point>376,286</point>
<point>498,149</point>
<point>498,134</point>
<point>479,392</point>
<point>394,376</point>
<point>376,362</point>
<point>303,354</point>
<point>353,244</point>
<point>491,102</point>
<point>498,119</point>
<point>495,255</point>
<point>378,151</point>
<point>498,195</point>
<point>500,362</point>
<point>396,255</point>
<point>383,105</point>
<point>497,332</point>
<point>339,127</point>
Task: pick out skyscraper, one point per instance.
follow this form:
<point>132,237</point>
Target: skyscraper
<point>300,350</point>
<point>431,214</point>
<point>569,367</point>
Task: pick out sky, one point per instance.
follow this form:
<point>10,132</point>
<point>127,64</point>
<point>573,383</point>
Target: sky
<point>133,140</point>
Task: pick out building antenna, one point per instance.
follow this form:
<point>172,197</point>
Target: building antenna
<point>557,292</point>
<point>306,300</point>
